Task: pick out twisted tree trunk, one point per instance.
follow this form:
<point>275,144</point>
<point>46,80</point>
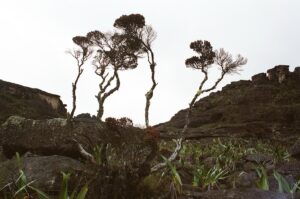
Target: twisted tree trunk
<point>102,96</point>
<point>149,94</point>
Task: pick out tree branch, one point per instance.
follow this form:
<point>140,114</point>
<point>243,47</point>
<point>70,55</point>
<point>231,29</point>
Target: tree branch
<point>84,153</point>
<point>102,99</point>
<point>149,94</point>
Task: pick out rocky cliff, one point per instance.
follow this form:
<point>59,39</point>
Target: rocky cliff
<point>268,106</point>
<point>28,102</point>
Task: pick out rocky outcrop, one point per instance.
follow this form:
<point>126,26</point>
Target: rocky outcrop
<point>28,102</point>
<point>43,171</point>
<point>51,146</point>
<point>268,106</point>
<point>57,137</point>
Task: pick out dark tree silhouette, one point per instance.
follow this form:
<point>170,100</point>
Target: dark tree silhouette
<point>81,55</point>
<point>131,24</point>
<point>134,26</point>
<point>206,57</point>
<point>116,52</point>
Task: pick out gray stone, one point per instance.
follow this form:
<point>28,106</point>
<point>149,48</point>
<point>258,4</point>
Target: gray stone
<point>291,168</point>
<point>259,158</point>
<point>294,151</point>
<point>45,171</point>
<point>236,194</point>
<point>246,179</point>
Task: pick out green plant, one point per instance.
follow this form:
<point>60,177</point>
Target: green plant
<point>74,195</point>
<point>228,153</point>
<point>280,154</point>
<point>208,178</point>
<point>263,182</point>
<point>284,186</point>
<point>24,188</point>
<point>176,184</point>
<point>97,153</point>
<point>278,151</point>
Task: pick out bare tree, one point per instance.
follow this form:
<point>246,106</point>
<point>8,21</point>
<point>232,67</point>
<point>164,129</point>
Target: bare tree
<point>206,57</point>
<point>81,55</point>
<point>134,26</point>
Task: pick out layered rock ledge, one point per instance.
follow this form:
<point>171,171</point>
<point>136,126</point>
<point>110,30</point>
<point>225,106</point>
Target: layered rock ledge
<point>28,102</point>
<point>268,106</point>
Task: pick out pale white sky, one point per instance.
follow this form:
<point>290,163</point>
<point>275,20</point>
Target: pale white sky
<point>35,34</point>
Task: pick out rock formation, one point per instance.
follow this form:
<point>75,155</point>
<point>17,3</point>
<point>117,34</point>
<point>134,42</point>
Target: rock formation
<point>28,102</point>
<point>54,142</point>
<point>56,137</point>
<point>45,171</point>
<point>268,106</point>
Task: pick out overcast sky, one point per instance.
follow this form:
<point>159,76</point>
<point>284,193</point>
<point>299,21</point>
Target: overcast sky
<point>35,34</point>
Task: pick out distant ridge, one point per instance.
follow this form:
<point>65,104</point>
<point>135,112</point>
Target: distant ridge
<point>28,102</point>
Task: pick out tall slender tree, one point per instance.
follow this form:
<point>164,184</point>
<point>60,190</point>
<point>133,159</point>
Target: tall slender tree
<point>203,62</point>
<point>134,26</point>
<point>147,39</point>
<point>81,55</point>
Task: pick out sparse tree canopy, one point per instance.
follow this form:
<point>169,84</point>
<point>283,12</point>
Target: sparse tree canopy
<point>225,60</point>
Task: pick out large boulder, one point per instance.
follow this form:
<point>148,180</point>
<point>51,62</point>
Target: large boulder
<point>43,171</point>
<point>266,107</point>
<point>291,168</point>
<point>45,174</point>
<point>236,194</point>
<point>28,102</point>
<point>123,144</point>
<point>294,150</point>
<point>128,152</point>
<point>44,137</point>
